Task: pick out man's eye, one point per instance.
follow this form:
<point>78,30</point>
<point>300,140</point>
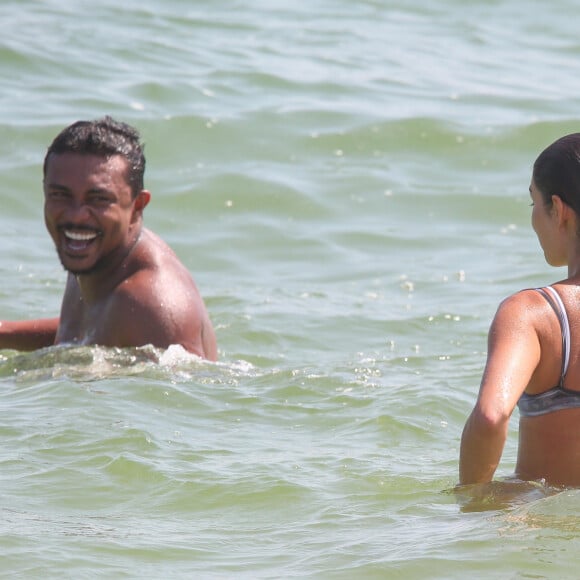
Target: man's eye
<point>57,195</point>
<point>101,199</point>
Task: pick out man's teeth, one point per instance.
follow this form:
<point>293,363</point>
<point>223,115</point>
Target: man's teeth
<point>80,236</point>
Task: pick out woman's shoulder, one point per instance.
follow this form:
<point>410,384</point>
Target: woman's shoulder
<point>527,307</point>
<point>524,299</point>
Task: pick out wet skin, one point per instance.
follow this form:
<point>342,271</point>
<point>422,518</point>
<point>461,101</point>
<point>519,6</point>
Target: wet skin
<point>125,287</point>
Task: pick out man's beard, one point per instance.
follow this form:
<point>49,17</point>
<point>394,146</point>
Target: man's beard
<point>98,266</point>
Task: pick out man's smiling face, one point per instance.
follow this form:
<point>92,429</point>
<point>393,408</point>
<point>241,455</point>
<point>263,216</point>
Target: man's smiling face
<point>89,210</point>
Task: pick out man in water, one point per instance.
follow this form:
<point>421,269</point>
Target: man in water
<point>125,286</point>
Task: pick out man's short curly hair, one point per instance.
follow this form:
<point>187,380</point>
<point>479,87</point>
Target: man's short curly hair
<point>104,137</point>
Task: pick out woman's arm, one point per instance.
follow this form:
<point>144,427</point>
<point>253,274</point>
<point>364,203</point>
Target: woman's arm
<point>513,356</point>
<point>28,334</point>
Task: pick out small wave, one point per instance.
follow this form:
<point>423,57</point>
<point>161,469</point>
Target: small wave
<point>501,495</point>
<point>94,363</point>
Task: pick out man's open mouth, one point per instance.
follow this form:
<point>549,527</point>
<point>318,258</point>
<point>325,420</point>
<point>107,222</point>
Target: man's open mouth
<point>79,240</point>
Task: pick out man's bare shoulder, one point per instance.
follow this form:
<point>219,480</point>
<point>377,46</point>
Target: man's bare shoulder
<point>158,302</point>
<point>155,255</point>
<point>157,272</point>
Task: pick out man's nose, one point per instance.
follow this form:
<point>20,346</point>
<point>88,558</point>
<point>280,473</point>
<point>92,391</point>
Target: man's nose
<point>78,211</point>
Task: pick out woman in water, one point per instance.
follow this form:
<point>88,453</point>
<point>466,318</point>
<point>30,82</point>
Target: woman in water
<point>534,346</point>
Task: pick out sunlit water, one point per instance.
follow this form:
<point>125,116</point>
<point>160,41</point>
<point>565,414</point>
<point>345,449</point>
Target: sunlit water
<point>347,181</point>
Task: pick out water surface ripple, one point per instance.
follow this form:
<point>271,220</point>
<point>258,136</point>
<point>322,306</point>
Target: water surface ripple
<point>348,183</point>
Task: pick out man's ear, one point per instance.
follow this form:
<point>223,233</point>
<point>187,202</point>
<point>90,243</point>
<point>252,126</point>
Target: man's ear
<point>141,201</point>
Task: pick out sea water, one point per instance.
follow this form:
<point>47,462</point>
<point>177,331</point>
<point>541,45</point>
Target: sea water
<point>348,184</point>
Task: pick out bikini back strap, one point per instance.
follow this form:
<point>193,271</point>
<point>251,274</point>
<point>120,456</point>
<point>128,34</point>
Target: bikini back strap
<point>557,305</point>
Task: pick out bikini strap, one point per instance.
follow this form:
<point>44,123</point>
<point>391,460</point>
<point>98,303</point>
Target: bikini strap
<point>554,300</point>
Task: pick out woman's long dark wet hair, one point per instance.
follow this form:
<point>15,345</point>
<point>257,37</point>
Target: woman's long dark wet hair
<point>557,171</point>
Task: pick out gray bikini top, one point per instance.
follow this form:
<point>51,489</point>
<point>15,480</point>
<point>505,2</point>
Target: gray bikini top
<point>558,397</point>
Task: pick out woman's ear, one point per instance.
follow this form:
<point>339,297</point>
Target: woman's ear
<point>562,211</point>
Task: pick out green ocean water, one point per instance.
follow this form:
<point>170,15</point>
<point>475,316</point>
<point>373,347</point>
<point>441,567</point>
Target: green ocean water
<point>348,184</point>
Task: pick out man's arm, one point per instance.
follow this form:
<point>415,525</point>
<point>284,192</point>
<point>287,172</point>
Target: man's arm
<point>513,355</point>
<point>28,334</point>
